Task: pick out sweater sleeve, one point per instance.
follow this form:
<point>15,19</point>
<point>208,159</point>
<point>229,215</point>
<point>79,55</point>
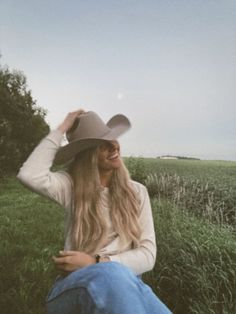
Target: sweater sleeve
<point>141,259</point>
<point>37,176</point>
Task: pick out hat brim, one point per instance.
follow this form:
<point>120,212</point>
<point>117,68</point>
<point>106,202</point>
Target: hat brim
<point>118,125</point>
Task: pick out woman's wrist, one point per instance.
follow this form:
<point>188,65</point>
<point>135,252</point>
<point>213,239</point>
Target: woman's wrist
<point>101,259</point>
<point>105,259</point>
<point>62,128</point>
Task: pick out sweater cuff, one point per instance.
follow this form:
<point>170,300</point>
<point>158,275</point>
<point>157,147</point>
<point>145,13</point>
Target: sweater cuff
<point>115,258</point>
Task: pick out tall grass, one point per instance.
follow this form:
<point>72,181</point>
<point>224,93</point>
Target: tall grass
<point>206,188</point>
<point>31,231</point>
<point>195,270</point>
<point>203,199</point>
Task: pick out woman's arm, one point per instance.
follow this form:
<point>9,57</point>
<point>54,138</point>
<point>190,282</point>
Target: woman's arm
<point>37,176</point>
<point>35,172</point>
<point>141,259</point>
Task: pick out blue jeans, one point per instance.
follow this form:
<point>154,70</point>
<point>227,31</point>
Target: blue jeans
<point>103,288</point>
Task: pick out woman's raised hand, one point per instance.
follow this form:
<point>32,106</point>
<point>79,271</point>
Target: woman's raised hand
<point>69,120</point>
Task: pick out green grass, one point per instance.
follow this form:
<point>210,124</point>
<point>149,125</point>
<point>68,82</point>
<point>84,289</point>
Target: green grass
<point>195,270</point>
<point>206,188</point>
<point>201,169</point>
<point>221,173</point>
<point>196,262</point>
<point>31,231</point>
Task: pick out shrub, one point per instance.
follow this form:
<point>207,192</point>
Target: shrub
<point>22,122</point>
<point>137,168</point>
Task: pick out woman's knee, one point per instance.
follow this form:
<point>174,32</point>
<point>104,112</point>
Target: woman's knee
<point>113,274</point>
<point>103,281</point>
<point>112,280</point>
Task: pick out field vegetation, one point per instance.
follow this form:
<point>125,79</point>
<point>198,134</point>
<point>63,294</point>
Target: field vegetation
<point>206,188</point>
<point>194,212</point>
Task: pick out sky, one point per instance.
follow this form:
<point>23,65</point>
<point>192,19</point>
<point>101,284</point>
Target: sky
<point>169,65</point>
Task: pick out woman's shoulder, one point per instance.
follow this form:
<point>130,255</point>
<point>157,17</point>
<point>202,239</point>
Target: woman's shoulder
<point>141,192</point>
<point>66,175</point>
<point>138,187</point>
<point>62,188</point>
<point>65,178</point>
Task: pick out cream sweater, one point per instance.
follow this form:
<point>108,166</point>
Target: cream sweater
<point>58,186</point>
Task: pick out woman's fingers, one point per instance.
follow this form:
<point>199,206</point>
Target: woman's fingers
<point>71,260</point>
<point>66,253</point>
<point>70,119</point>
<point>64,263</point>
<point>65,257</point>
<point>59,260</point>
<point>72,116</point>
<point>79,112</point>
<point>75,114</point>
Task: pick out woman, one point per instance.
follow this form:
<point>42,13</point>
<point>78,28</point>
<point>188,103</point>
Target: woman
<point>109,238</point>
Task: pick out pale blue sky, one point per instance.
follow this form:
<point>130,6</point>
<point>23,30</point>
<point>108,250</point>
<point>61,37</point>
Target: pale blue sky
<point>170,66</point>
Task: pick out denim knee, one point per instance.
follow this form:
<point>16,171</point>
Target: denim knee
<point>112,276</point>
<point>103,281</point>
<point>114,285</point>
<point>110,288</point>
<point>104,274</point>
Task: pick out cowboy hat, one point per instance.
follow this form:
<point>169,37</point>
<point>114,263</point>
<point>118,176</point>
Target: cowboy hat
<point>89,131</point>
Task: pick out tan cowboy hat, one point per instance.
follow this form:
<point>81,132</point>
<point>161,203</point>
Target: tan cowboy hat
<point>89,131</point>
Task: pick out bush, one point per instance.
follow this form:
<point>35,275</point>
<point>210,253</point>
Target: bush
<point>22,122</point>
<point>137,168</point>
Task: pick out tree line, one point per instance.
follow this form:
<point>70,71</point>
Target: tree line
<point>22,121</point>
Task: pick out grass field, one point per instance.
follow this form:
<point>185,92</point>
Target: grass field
<point>195,270</point>
<point>207,188</point>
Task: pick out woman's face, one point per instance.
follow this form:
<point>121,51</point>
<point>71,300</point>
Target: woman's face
<point>109,156</point>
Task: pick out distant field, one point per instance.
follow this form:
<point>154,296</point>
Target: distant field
<point>222,172</point>
<point>205,187</point>
<point>195,270</point>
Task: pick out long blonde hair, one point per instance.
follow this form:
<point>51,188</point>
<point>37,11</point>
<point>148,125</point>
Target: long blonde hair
<point>88,229</point>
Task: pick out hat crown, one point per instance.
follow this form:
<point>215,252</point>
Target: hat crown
<point>88,125</point>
